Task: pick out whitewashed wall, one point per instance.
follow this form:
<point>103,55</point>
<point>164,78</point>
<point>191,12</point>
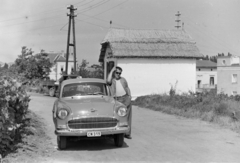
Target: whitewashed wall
<point>63,64</point>
<point>57,75</point>
<point>52,74</point>
<point>204,75</point>
<point>225,83</point>
<point>150,76</point>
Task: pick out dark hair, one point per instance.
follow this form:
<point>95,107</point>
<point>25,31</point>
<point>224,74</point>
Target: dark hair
<point>119,68</point>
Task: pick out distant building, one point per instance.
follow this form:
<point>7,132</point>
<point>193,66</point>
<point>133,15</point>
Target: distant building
<point>59,63</point>
<point>206,75</point>
<point>228,79</point>
<point>152,60</point>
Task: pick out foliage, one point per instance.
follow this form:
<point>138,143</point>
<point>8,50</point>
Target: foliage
<point>202,105</point>
<point>94,71</point>
<point>32,66</point>
<point>214,58</point>
<point>211,58</point>
<point>13,108</point>
<point>83,72</point>
<point>172,91</point>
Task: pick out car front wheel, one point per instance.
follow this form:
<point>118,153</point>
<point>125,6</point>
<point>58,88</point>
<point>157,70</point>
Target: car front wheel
<point>119,139</point>
<point>62,142</point>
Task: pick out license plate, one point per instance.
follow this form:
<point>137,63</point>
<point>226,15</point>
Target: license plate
<point>94,134</point>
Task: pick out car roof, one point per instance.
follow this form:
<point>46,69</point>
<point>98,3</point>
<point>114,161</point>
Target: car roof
<point>79,80</point>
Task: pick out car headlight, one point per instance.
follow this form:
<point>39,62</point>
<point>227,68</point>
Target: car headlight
<point>122,111</point>
<point>62,110</point>
<point>62,114</point>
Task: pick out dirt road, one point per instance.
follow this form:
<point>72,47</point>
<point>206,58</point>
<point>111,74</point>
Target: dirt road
<point>157,137</point>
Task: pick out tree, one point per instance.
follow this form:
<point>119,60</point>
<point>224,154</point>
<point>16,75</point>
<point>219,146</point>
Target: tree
<point>213,59</point>
<point>23,60</point>
<point>83,72</point>
<point>206,57</point>
<point>32,66</point>
<point>5,66</point>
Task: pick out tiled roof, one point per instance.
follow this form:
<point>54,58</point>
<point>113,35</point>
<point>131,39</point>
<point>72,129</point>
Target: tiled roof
<point>205,64</point>
<point>52,56</point>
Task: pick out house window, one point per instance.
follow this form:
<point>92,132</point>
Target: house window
<point>211,80</point>
<point>234,93</point>
<point>199,83</point>
<point>223,62</point>
<point>61,68</point>
<point>72,70</point>
<point>234,78</point>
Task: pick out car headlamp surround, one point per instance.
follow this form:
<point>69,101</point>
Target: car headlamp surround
<point>122,111</point>
<point>62,111</point>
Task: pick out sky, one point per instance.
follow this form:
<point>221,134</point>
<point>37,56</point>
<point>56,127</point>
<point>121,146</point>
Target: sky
<point>42,24</point>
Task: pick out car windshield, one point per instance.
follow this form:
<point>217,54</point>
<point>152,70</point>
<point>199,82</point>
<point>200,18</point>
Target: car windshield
<point>83,89</point>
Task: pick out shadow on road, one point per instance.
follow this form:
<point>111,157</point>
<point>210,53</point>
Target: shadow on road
<point>92,145</point>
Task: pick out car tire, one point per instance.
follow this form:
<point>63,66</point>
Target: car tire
<point>118,140</point>
<point>62,142</point>
<point>52,92</point>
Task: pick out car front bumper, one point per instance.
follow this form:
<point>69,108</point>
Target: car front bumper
<point>79,132</point>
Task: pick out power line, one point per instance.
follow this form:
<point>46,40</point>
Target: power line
<point>85,3</point>
<point>211,36</point>
<point>79,2</point>
<point>93,17</point>
<point>91,23</point>
<point>111,8</point>
<point>52,17</point>
<point>23,17</point>
<point>104,11</point>
<point>83,20</point>
<point>45,12</point>
<point>56,9</point>
<point>63,27</point>
<point>214,38</point>
<point>32,20</point>
<point>36,29</point>
<point>93,6</point>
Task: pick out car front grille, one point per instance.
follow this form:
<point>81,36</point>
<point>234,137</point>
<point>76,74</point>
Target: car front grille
<point>92,122</point>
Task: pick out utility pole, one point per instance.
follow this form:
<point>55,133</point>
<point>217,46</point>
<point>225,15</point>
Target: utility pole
<point>178,20</point>
<point>71,21</point>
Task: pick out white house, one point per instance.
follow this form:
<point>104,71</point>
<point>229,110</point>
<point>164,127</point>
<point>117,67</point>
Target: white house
<point>152,60</point>
<point>59,62</point>
<point>228,69</point>
<point>206,77</point>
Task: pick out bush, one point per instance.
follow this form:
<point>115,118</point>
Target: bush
<point>13,108</point>
<point>208,106</point>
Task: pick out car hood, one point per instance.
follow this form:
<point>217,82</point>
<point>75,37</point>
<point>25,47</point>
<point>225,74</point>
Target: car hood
<point>93,106</point>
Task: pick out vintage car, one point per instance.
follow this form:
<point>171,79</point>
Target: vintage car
<point>85,108</point>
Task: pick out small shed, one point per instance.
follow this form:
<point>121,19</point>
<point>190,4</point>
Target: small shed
<point>152,60</point>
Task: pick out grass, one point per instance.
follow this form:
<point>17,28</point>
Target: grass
<point>35,142</point>
<point>208,106</point>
